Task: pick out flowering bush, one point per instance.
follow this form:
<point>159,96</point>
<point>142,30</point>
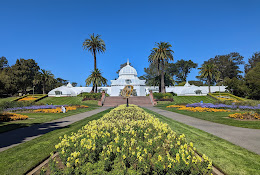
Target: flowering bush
<point>12,116</point>
<point>28,98</point>
<point>196,109</point>
<point>210,105</point>
<point>33,107</point>
<point>246,115</point>
<point>128,140</point>
<point>58,109</point>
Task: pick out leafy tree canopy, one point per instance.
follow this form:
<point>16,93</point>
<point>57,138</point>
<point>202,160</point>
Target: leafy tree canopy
<point>252,79</point>
<point>74,84</point>
<point>181,69</point>
<point>3,62</point>
<point>252,62</point>
<point>23,73</point>
<point>227,65</point>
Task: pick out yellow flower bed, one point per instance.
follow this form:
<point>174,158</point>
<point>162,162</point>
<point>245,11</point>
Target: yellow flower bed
<point>28,98</point>
<point>245,115</point>
<point>12,117</point>
<point>128,140</point>
<point>175,106</point>
<point>58,109</point>
<point>196,109</point>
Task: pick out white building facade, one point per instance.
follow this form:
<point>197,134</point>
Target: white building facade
<point>128,76</point>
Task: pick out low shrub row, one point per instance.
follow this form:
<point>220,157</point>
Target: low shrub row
<point>11,117</point>
<point>245,116</point>
<point>196,109</point>
<point>163,96</point>
<point>14,104</point>
<point>128,140</point>
<point>230,97</point>
<point>91,96</point>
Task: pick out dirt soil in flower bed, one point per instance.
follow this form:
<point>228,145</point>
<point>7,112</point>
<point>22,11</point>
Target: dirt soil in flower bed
<point>44,167</point>
<point>246,119</point>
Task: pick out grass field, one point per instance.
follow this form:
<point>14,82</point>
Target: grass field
<point>186,100</point>
<point>67,101</point>
<point>231,159</point>
<point>20,159</point>
<point>37,118</point>
<point>7,99</point>
<point>218,117</point>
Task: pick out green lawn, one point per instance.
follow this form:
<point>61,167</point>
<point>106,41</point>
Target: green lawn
<point>231,159</point>
<point>218,117</point>
<point>67,101</point>
<point>7,99</point>
<point>22,158</point>
<point>37,118</point>
<point>186,100</point>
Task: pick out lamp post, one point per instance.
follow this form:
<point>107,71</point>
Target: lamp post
<point>33,91</point>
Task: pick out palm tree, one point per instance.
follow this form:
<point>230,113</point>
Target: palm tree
<point>45,77</point>
<point>96,79</point>
<point>209,72</point>
<point>161,55</point>
<point>95,45</point>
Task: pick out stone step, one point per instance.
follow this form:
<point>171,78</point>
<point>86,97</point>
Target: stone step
<point>140,101</point>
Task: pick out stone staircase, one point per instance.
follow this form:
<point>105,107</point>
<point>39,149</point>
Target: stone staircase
<point>140,101</point>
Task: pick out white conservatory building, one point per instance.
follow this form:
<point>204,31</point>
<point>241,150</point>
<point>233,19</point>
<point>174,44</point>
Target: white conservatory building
<point>128,76</point>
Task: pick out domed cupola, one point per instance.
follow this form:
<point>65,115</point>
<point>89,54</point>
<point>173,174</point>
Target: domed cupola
<point>128,70</point>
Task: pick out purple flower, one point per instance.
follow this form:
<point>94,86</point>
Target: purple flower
<point>210,105</point>
<point>34,107</point>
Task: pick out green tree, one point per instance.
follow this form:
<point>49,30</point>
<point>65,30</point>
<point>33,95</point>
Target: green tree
<point>46,78</point>
<point>209,73</point>
<point>96,79</point>
<point>153,79</point>
<point>252,62</point>
<point>181,69</point>
<point>74,84</point>
<point>3,63</point>
<point>94,45</point>
<point>60,82</point>
<point>23,72</point>
<point>252,79</point>
<point>236,86</point>
<point>196,83</point>
<point>160,55</point>
<point>228,65</point>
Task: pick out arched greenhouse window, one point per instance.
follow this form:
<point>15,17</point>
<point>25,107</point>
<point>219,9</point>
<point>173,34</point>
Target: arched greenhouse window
<point>58,92</point>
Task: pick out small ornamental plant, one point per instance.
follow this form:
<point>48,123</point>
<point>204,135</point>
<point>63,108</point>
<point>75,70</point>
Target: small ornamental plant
<point>28,98</point>
<point>58,109</point>
<point>196,109</point>
<point>11,116</point>
<point>128,140</point>
<point>245,116</point>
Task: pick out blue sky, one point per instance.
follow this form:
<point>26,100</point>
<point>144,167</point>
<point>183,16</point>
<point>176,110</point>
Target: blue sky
<point>52,32</point>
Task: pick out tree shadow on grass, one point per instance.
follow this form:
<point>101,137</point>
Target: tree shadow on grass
<point>14,137</point>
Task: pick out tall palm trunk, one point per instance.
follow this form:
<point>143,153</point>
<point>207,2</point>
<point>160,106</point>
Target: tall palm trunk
<point>93,87</point>
<point>158,68</point>
<point>95,59</point>
<point>96,88</point>
<point>95,67</point>
<point>162,79</point>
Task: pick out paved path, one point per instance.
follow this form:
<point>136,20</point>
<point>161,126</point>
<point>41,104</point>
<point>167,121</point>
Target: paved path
<point>244,137</point>
<point>21,135</point>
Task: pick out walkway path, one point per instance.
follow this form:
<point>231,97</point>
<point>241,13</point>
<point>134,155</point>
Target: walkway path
<point>21,135</point>
<point>244,137</point>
